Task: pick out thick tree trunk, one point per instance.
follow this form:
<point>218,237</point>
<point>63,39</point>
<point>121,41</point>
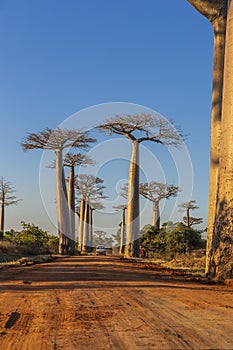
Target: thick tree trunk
<point>2,221</point>
<point>219,26</point>
<point>156,215</point>
<point>81,222</point>
<point>71,203</point>
<point>221,259</point>
<point>122,240</point>
<point>62,205</point>
<point>86,228</point>
<point>216,12</point>
<point>132,248</point>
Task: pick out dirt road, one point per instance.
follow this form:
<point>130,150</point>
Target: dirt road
<point>104,303</point>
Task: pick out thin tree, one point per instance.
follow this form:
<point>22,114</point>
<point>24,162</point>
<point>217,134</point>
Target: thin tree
<point>90,188</point>
<point>216,11</point>
<point>71,161</point>
<point>57,140</point>
<point>6,199</point>
<point>155,192</point>
<point>123,208</point>
<point>138,128</point>
<point>187,206</point>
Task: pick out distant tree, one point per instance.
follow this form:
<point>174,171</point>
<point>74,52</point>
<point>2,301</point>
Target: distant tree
<point>6,199</point>
<point>187,206</point>
<point>117,237</point>
<point>155,192</point>
<point>57,140</point>
<point>90,189</point>
<point>99,237</point>
<point>71,161</point>
<point>178,239</point>
<point>123,208</point>
<point>139,128</point>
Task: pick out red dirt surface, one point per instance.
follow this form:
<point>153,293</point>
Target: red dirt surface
<point>106,303</point>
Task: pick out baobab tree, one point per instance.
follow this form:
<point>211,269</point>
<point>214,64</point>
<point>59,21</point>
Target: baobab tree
<point>187,206</point>
<point>123,208</point>
<point>138,128</point>
<point>216,11</point>
<point>71,161</point>
<point>6,199</point>
<point>155,192</point>
<point>57,140</point>
<point>220,263</point>
<point>90,188</point>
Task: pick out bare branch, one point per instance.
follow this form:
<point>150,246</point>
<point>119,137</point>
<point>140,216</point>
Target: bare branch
<point>155,191</point>
<point>143,127</point>
<point>56,139</point>
<point>211,9</point>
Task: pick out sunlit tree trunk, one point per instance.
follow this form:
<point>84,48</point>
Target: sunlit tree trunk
<point>132,248</point>
<point>216,12</point>
<point>2,220</point>
<point>218,68</point>
<point>91,210</point>
<point>156,215</point>
<point>86,228</point>
<point>122,239</point>
<point>221,258</point>
<point>71,203</point>
<point>81,222</point>
<point>62,205</point>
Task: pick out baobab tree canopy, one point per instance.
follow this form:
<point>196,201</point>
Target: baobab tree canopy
<point>143,127</point>
<point>155,191</point>
<point>56,139</point>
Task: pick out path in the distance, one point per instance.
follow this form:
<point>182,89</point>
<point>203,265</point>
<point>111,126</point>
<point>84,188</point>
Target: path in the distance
<point>102,303</point>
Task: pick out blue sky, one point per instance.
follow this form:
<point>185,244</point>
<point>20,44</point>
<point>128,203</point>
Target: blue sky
<point>59,57</point>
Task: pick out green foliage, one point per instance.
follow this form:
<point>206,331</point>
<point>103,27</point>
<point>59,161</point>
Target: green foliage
<point>117,238</point>
<point>100,237</point>
<point>34,237</point>
<point>172,239</point>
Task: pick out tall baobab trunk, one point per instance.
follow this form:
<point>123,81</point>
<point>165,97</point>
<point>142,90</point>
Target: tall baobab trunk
<point>122,240</point>
<point>219,26</point>
<point>86,228</point>
<point>132,248</point>
<point>62,205</point>
<point>71,204</point>
<point>156,215</point>
<point>91,210</point>
<point>2,220</point>
<point>81,222</point>
<point>221,258</point>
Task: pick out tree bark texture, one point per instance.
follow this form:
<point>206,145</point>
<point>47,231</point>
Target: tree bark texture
<point>216,12</point>
<point>218,69</point>
<point>156,215</point>
<point>132,248</point>
<point>221,257</point>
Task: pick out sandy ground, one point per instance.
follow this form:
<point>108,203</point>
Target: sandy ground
<point>104,303</point>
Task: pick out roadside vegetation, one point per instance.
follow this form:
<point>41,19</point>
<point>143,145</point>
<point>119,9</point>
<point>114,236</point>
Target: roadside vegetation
<point>30,241</point>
